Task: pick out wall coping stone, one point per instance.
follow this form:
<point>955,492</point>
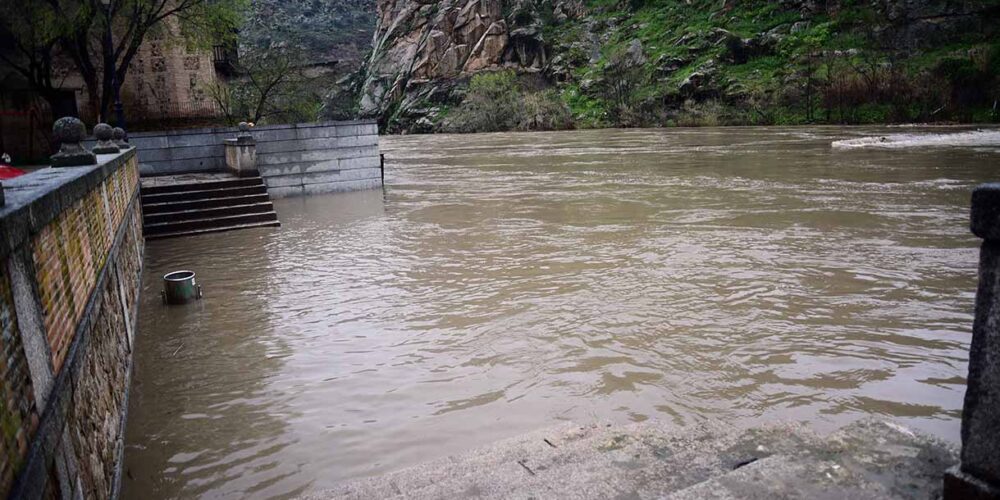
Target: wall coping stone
<point>36,199</point>
<point>232,130</point>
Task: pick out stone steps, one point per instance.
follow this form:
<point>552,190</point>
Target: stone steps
<point>193,193</point>
<point>869,459</point>
<point>210,230</point>
<point>211,205</point>
<point>202,185</point>
<point>207,203</point>
<point>208,212</point>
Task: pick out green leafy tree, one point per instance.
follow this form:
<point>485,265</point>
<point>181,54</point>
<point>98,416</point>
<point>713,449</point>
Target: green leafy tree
<point>273,86</point>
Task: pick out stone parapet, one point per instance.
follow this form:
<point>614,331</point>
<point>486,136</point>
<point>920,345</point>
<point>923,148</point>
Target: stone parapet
<point>300,159</point>
<point>203,150</point>
<point>71,250</point>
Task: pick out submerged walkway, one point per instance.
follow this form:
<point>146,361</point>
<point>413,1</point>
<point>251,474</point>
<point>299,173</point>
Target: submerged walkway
<point>866,460</point>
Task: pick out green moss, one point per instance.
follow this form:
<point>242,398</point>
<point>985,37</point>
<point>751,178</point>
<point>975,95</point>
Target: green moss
<point>788,81</point>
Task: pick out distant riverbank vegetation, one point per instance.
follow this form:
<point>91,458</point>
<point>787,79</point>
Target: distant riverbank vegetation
<point>653,63</point>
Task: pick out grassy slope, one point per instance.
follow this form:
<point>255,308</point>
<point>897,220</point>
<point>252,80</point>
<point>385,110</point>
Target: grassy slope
<point>679,30</point>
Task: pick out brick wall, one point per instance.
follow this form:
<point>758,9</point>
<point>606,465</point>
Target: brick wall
<point>71,251</point>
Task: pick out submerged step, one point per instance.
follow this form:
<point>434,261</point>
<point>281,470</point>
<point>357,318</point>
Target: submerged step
<point>226,201</point>
<point>209,223</point>
<point>220,229</point>
<point>202,186</point>
<point>208,212</point>
<point>203,194</point>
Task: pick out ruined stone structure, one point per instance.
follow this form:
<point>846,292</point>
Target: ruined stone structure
<point>70,263</point>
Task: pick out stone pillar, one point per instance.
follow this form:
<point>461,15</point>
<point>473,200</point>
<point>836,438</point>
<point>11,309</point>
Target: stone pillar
<point>978,476</point>
<point>69,132</point>
<point>105,140</point>
<point>241,153</point>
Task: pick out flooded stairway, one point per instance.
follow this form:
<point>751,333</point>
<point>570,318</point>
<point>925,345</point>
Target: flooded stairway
<point>191,204</point>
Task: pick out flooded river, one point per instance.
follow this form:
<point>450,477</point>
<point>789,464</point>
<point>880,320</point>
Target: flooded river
<point>505,283</point>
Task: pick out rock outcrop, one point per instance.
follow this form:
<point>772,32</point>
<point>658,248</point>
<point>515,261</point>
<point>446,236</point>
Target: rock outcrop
<point>325,30</point>
<point>726,52</point>
<point>418,41</point>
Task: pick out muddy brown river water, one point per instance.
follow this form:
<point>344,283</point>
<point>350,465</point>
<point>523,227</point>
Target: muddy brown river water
<point>507,282</point>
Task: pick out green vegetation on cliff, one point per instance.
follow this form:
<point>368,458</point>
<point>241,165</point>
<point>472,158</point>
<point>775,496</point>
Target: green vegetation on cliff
<point>782,63</point>
<point>712,62</point>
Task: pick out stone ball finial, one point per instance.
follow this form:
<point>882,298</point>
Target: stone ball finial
<point>69,132</point>
<point>104,133</point>
<point>120,139</point>
<point>244,136</point>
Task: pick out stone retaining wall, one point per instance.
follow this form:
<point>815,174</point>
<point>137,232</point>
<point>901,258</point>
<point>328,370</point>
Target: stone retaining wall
<point>71,250</point>
<point>293,159</point>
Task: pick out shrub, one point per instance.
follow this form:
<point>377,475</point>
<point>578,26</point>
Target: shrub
<point>493,104</point>
<point>623,77</point>
<point>700,114</point>
<point>545,110</point>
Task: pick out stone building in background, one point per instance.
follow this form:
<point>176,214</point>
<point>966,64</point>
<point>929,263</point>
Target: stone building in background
<point>166,84</point>
<point>165,88</point>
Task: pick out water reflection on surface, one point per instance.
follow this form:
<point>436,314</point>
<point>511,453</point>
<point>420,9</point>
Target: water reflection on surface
<point>503,283</point>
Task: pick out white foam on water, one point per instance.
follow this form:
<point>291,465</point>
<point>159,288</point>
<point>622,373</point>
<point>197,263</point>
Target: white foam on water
<point>976,138</point>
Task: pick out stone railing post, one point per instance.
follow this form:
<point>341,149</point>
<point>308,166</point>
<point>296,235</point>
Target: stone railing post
<point>69,132</point>
<point>105,140</point>
<point>978,476</point>
<point>121,139</point>
<point>241,153</point>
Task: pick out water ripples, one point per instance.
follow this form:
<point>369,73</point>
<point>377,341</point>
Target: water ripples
<point>505,282</point>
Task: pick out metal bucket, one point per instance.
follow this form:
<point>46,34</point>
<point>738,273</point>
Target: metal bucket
<point>180,288</point>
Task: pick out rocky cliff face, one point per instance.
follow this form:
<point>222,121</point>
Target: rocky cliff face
<point>739,55</point>
<point>325,30</point>
<point>418,41</point>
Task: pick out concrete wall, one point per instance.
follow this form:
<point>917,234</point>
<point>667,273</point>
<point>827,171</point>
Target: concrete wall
<point>293,159</point>
<point>70,262</point>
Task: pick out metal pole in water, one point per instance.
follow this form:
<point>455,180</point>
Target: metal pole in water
<point>382,166</point>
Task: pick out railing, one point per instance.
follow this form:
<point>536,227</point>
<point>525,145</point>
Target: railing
<point>226,58</point>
